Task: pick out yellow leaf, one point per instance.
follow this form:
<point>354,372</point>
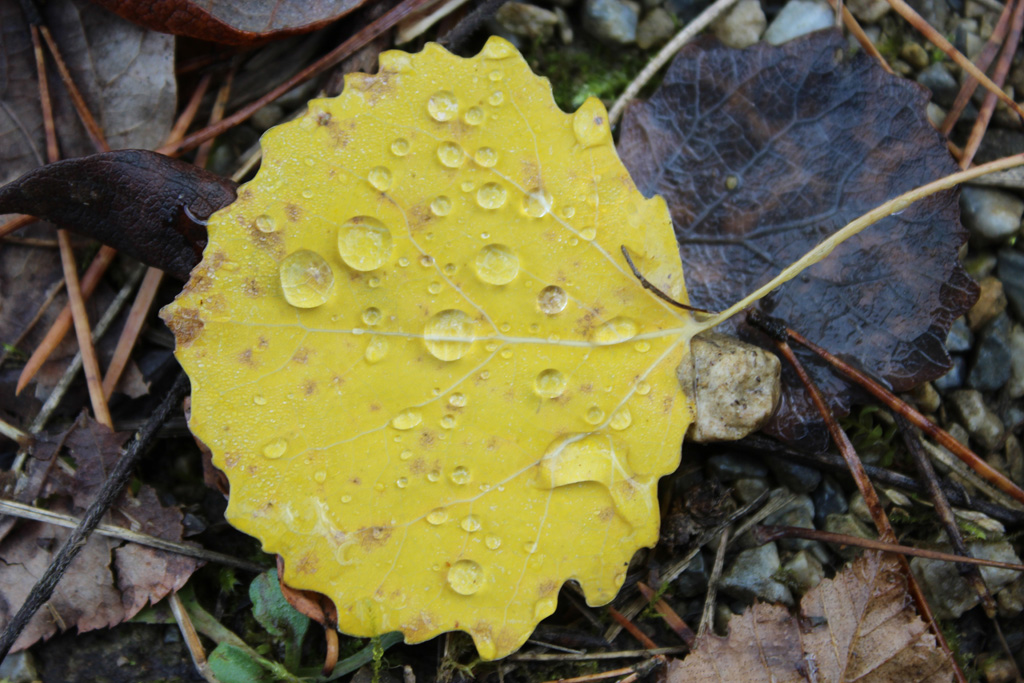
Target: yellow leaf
<point>420,358</point>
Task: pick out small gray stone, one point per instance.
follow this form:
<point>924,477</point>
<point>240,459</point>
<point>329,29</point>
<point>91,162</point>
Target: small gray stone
<point>752,576</point>
<point>926,398</point>
<point>610,20</point>
<point>914,55</point>
<point>655,28</point>
<point>868,11</point>
<point>1010,271</point>
<point>948,593</point>
<point>526,20</point>
<point>798,517</point>
<point>693,580</point>
<point>991,302</point>
<point>797,18</point>
<point>735,385</point>
<point>1015,387</point>
<point>990,367</point>
<point>992,216</point>
<point>749,489</point>
<point>954,379</point>
<point>742,26</point>
<point>849,525</point>
<point>982,424</point>
<point>829,499</point>
<point>960,337</point>
<point>1009,460</point>
<point>19,667</point>
<point>730,467</point>
<point>802,572</point>
<point>797,478</point>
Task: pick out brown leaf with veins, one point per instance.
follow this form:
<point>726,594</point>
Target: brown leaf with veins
<point>94,593</point>
<point>235,22</point>
<point>858,626</point>
<point>760,154</point>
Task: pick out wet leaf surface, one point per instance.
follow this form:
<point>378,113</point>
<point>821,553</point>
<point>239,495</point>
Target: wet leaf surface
<point>763,152</point>
<point>109,581</point>
<point>236,22</point>
<point>420,358</point>
<point>142,203</point>
<point>858,626</point>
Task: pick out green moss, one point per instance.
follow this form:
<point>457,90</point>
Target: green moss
<point>577,72</point>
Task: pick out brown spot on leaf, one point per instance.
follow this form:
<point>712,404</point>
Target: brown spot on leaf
<point>293,211</point>
<point>185,324</point>
<point>251,288</point>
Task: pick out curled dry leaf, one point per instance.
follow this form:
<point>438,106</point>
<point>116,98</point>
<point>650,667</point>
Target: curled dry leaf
<point>418,354</point>
<point>141,203</point>
<point>763,152</point>
<point>109,581</point>
<point>858,626</point>
<point>236,22</point>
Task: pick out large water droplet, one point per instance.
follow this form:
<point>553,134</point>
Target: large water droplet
<point>486,157</point>
<point>496,98</point>
<point>497,264</point>
<point>306,279</point>
<point>474,116</point>
<point>371,316</point>
<point>407,419</point>
<point>491,195</point>
<point>320,476</point>
<point>550,383</point>
<point>443,106</point>
<point>615,331</point>
<point>265,223</point>
<point>448,422</point>
<point>380,177</point>
<point>450,154</point>
<point>466,577</point>
<point>457,400</point>
<point>621,419</point>
<point>590,123</point>
<point>643,388</point>
<point>437,516</point>
<point>449,334</point>
<point>441,206</point>
<point>552,300</point>
<point>364,243</point>
<point>594,415</point>
<point>276,448</point>
<point>376,350</point>
<point>537,203</point>
<point>470,524</point>
<point>493,542</point>
<point>588,233</point>
<point>400,147</point>
<point>460,475</point>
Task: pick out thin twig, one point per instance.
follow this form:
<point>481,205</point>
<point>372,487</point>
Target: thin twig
<point>769,533</point>
<point>944,512</point>
<point>937,39</point>
<point>22,511</point>
<point>702,21</point>
<point>470,24</point>
<point>707,615</point>
<point>326,62</point>
<point>136,317</point>
<point>119,476</point>
<point>983,60</point>
<point>59,328</point>
<point>651,287</point>
<point>988,107</point>
<point>16,224</point>
<point>91,364</point>
<point>88,120</point>
<point>853,26</point>
<point>51,294</point>
<point>989,473</point>
<point>632,628</point>
<point>192,642</point>
<point>618,654</point>
<point>674,621</point>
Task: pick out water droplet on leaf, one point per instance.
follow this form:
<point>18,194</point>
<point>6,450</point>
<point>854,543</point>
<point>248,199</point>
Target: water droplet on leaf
<point>364,243</point>
<point>449,334</point>
<point>466,577</point>
<point>497,264</point>
<point>306,279</point>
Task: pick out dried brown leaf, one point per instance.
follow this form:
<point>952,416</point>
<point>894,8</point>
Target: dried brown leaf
<point>109,581</point>
<point>763,152</point>
<point>236,22</point>
<point>858,626</point>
